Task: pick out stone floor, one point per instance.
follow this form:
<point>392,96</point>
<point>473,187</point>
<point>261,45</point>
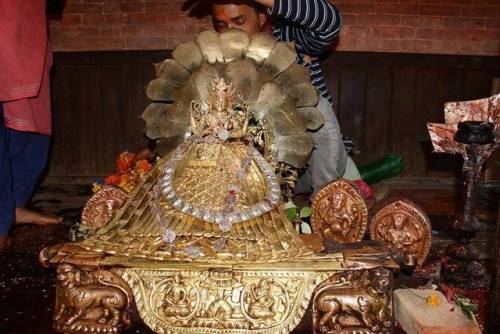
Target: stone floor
<point>27,290</point>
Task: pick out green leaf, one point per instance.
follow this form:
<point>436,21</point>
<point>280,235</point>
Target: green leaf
<point>289,205</point>
<point>467,307</point>
<point>305,212</point>
<point>291,214</point>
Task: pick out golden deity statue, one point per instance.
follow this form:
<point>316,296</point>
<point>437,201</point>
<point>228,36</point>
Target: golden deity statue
<point>213,198</point>
<point>399,233</point>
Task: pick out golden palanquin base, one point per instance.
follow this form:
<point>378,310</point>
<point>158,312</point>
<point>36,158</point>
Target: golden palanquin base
<point>223,301</point>
<point>347,290</point>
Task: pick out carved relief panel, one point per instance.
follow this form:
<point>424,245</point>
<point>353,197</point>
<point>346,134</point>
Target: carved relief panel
<point>212,301</point>
<point>339,213</point>
<point>405,228</point>
<point>99,209</point>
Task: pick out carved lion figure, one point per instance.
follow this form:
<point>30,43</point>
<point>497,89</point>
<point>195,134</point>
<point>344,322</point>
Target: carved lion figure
<point>77,295</point>
<point>371,309</point>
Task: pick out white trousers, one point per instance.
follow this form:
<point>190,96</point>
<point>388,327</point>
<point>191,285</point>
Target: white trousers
<point>329,159</point>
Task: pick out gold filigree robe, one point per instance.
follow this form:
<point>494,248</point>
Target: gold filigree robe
<point>202,177</point>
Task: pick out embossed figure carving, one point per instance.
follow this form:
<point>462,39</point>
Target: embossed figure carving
<point>342,217</point>
<point>405,228</point>
<point>99,209</point>
<point>220,309</point>
<point>339,213</point>
<point>399,233</point>
<point>350,309</point>
<point>176,299</point>
<point>92,302</point>
<point>261,302</point>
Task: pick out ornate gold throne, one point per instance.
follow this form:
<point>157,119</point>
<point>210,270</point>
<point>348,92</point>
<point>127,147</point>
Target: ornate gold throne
<point>202,244</point>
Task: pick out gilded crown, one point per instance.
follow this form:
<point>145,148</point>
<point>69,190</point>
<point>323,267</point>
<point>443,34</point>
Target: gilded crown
<point>225,115</point>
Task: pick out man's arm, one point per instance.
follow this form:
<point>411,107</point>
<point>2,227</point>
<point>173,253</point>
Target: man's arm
<point>313,24</point>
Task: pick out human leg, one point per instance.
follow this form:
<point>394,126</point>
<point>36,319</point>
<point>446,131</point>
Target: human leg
<point>28,156</point>
<point>329,157</point>
<point>6,195</point>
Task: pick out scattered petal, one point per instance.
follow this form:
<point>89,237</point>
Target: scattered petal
<point>433,299</point>
<point>305,228</point>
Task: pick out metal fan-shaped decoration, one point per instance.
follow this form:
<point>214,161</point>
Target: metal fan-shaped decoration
<point>277,92</point>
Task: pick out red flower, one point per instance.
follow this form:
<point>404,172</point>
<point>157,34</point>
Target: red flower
<point>142,166</point>
<point>364,188</point>
<point>113,179</point>
<point>124,161</point>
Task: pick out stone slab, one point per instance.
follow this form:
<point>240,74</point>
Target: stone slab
<point>415,316</point>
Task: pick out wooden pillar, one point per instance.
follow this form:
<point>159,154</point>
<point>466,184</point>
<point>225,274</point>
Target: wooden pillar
<point>492,173</point>
<point>494,302</point>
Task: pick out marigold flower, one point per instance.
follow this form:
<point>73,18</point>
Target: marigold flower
<point>142,166</point>
<point>124,161</point>
<point>113,179</point>
<point>433,299</point>
<point>127,182</point>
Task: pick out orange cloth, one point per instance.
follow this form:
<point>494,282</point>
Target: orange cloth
<point>25,61</point>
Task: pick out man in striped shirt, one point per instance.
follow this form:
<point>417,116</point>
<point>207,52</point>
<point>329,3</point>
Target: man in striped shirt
<point>311,25</point>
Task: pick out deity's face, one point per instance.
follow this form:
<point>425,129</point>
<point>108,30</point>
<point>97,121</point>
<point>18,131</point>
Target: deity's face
<point>238,14</point>
<point>337,200</point>
<point>399,220</point>
<point>264,285</point>
<point>225,115</point>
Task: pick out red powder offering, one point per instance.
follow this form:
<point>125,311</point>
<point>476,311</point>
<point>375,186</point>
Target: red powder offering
<point>477,296</point>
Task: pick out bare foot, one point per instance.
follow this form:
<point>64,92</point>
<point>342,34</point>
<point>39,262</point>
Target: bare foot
<point>4,243</point>
<point>27,216</point>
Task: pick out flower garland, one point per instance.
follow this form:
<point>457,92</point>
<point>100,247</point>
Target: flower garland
<point>226,217</point>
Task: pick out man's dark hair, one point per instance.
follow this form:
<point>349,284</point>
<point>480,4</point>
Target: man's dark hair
<point>250,3</point>
<point>201,9</point>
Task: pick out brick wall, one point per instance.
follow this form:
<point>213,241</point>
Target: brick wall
<point>414,26</point>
